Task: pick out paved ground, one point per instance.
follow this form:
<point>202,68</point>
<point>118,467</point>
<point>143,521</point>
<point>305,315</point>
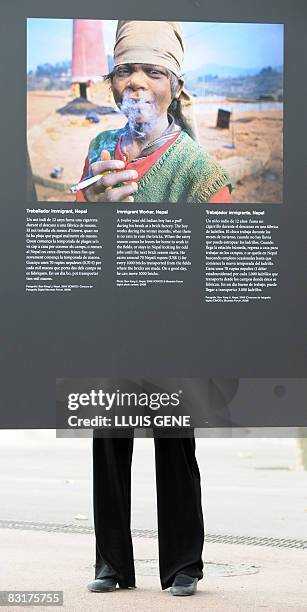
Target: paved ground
<point>54,561</point>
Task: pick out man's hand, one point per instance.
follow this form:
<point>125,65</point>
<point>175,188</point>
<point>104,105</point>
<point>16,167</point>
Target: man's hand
<point>105,189</point>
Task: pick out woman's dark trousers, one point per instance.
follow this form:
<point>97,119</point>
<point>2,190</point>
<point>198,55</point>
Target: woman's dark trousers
<point>180,519</point>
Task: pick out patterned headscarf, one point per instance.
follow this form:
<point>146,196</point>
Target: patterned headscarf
<point>160,43</point>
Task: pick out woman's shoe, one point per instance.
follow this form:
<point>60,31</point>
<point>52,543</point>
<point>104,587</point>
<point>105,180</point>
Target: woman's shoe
<point>184,585</point>
<point>102,585</point>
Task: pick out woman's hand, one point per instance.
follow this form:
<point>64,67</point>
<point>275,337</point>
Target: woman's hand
<point>105,189</point>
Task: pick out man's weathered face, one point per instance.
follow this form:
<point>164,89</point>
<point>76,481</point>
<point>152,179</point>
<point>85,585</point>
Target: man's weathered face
<point>143,90</point>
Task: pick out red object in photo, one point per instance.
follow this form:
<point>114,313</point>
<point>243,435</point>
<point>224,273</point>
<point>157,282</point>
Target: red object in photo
<point>88,53</point>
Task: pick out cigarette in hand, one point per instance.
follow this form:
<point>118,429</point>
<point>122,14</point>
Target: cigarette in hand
<point>90,181</point>
<point>105,155</point>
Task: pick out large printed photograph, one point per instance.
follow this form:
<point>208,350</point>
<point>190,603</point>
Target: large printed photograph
<point>154,111</point>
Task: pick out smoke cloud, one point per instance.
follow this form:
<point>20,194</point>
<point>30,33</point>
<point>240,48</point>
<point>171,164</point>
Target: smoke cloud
<point>132,108</point>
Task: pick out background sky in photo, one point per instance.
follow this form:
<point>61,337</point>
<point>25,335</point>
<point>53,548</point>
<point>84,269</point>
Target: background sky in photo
<point>242,45</point>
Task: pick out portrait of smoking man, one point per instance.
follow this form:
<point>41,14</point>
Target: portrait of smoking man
<point>155,157</point>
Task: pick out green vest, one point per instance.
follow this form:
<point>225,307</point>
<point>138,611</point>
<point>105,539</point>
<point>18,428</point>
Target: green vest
<point>184,173</point>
